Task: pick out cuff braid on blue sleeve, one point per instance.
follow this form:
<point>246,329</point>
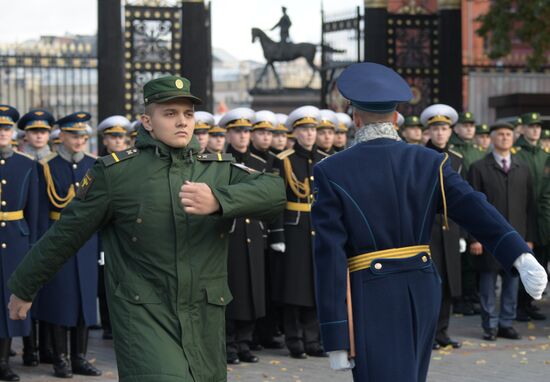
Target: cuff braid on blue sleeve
<point>335,335</point>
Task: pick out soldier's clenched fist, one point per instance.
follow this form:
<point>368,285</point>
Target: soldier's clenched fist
<point>198,199</point>
<point>18,308</point>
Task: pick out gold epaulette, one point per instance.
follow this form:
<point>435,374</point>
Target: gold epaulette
<point>456,153</point>
<point>215,157</point>
<point>119,156</point>
<point>48,158</point>
<point>285,154</point>
<point>24,154</point>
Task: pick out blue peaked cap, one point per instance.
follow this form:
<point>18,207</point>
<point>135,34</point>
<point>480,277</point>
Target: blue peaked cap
<point>373,87</point>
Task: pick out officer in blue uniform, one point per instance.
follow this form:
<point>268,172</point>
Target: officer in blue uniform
<point>18,225</point>
<point>373,212</point>
<point>69,299</point>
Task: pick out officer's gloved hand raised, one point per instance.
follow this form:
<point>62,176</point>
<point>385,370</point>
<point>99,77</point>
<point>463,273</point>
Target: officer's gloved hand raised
<point>532,274</point>
<point>198,199</point>
<point>18,308</point>
<point>340,361</point>
<point>278,247</point>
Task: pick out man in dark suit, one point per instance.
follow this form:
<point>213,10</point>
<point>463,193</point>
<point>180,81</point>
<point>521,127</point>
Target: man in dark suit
<point>445,240</point>
<point>508,186</point>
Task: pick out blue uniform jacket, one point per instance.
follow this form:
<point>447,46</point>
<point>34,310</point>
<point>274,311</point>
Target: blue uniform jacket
<point>18,192</point>
<point>384,194</point>
<point>72,293</point>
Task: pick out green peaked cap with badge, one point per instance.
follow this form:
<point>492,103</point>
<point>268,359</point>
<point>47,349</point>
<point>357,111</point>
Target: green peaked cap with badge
<point>466,117</point>
<point>531,119</point>
<point>482,129</point>
<point>164,89</point>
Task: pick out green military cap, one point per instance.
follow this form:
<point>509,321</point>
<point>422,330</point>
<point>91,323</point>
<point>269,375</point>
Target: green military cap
<point>167,88</point>
<point>482,129</point>
<point>412,121</point>
<point>531,119</point>
<point>518,121</point>
<point>466,117</point>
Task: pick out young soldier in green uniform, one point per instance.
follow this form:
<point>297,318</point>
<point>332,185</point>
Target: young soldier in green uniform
<point>482,138</point>
<point>527,148</point>
<point>164,212</point>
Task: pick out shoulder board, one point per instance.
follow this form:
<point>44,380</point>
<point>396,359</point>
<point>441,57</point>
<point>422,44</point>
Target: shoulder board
<point>323,153</point>
<point>215,157</point>
<point>258,158</point>
<point>48,158</point>
<point>285,153</point>
<point>24,154</point>
<point>515,150</point>
<point>119,156</point>
<point>243,167</point>
<point>456,153</point>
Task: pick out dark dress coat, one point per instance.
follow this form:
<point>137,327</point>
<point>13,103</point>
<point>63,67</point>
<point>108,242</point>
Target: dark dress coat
<point>444,244</point>
<point>511,194</point>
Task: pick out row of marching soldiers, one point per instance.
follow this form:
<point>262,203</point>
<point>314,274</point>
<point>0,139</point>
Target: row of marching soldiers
<point>43,161</point>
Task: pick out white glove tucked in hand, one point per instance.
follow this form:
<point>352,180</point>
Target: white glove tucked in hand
<point>532,274</point>
<point>339,360</point>
<point>279,247</point>
<point>462,245</point>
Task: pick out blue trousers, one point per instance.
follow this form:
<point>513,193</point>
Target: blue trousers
<point>395,311</point>
<point>490,318</point>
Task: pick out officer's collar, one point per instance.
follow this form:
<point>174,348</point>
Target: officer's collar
<point>6,152</point>
<point>68,155</point>
<point>302,151</point>
<point>260,153</point>
<point>144,140</point>
<point>430,145</point>
<point>372,131</point>
<point>240,157</point>
<point>37,154</point>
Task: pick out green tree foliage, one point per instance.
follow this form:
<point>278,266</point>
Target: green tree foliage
<point>526,20</point>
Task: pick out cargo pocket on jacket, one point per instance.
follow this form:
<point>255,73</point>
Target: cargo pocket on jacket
<point>213,329</point>
<point>137,293</point>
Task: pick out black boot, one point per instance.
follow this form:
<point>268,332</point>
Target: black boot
<point>30,354</point>
<point>61,364</point>
<point>6,373</point>
<point>45,346</point>
<point>79,346</point>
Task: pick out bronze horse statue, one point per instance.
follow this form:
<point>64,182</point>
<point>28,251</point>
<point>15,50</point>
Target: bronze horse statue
<point>286,51</point>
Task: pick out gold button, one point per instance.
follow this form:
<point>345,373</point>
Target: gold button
<point>3,224</point>
<point>222,299</point>
<point>4,181</point>
<point>3,202</point>
<point>139,220</point>
<point>134,239</point>
<point>247,221</point>
<point>424,259</point>
<point>309,161</point>
<point>312,233</point>
<point>136,297</point>
<point>377,266</point>
<point>77,184</point>
<point>4,245</point>
<point>75,166</point>
<point>248,241</point>
<point>311,178</point>
<point>2,161</point>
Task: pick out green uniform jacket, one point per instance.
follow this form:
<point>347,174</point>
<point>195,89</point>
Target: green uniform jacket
<point>470,152</point>
<point>535,158</point>
<point>544,206</point>
<point>166,271</point>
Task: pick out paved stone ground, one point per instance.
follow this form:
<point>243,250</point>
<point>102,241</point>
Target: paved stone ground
<point>527,360</point>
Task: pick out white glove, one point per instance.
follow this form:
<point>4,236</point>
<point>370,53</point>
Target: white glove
<point>279,247</point>
<point>339,360</point>
<point>532,274</point>
<point>101,260</point>
<point>461,245</point>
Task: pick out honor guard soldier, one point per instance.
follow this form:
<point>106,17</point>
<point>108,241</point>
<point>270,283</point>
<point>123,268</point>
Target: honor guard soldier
<point>280,131</point>
<point>378,228</point>
<point>216,139</point>
<point>341,137</point>
<point>482,138</point>
<point>114,130</point>
<point>462,141</point>
<point>444,247</point>
<point>246,259</point>
<point>293,270</point>
<point>527,148</point>
<point>412,130</point>
<point>203,122</point>
<point>37,125</point>
<point>69,299</point>
<point>132,132</point>
<point>18,231</point>
<point>166,270</point>
<point>326,130</point>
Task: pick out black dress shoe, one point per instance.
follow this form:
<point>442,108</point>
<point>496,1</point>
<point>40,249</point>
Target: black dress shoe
<point>449,342</point>
<point>509,333</point>
<point>436,346</point>
<point>490,335</point>
<point>534,314</point>
<point>7,374</point>
<point>82,367</point>
<point>248,357</point>
<point>30,359</point>
<point>298,355</point>
<point>62,368</point>
<point>233,359</point>
<point>317,353</point>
